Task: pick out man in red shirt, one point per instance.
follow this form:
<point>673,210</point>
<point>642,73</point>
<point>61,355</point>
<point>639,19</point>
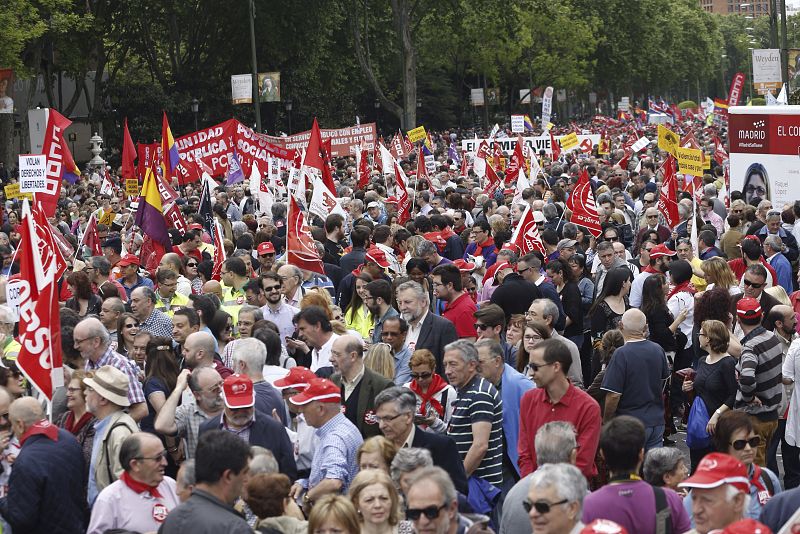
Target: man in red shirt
<point>556,399</point>
<point>460,308</point>
<point>190,246</point>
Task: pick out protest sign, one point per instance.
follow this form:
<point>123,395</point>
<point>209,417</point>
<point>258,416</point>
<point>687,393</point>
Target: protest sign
<point>132,187</point>
<point>13,296</point>
<point>690,161</point>
<point>344,141</point>
<point>417,134</point>
<point>586,143</point>
<point>32,170</point>
<point>12,191</point>
<point>242,89</point>
<point>569,141</point>
<point>667,139</point>
<point>517,123</point>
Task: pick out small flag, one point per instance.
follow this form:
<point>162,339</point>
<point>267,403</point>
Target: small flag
<point>128,153</point>
<point>170,157</point>
<point>235,173</point>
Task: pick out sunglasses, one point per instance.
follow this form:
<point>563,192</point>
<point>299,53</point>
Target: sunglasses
<point>421,376</point>
<point>479,326</point>
<point>534,367</point>
<point>754,285</point>
<point>612,239</point>
<point>740,444</point>
<point>431,512</point>
<point>541,507</point>
<point>132,325</point>
<point>272,288</point>
<point>191,264</point>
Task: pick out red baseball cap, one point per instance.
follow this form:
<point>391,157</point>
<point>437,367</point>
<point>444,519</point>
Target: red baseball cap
<point>661,250</point>
<point>266,248</point>
<point>464,266</point>
<point>717,469</point>
<point>298,378</point>
<point>319,389</point>
<point>747,526</point>
<point>376,255</point>
<point>195,226</point>
<point>748,308</point>
<point>130,259</point>
<point>237,391</point>
<point>603,526</point>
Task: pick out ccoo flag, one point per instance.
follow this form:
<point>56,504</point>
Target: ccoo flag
<point>150,215</point>
<point>170,157</point>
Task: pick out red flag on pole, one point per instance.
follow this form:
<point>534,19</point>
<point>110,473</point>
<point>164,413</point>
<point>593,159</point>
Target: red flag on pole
<point>526,234</point>
<point>555,147</point>
<point>403,202</point>
<point>219,251</point>
<point>90,237</point>
<point>493,182</point>
<point>41,265</point>
<point>300,248</point>
<point>128,153</point>
<point>516,162</point>
<point>363,168</point>
<point>668,199</point>
<point>581,203</point>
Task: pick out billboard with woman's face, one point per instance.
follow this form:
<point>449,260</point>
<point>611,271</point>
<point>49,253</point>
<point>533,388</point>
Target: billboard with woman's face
<point>269,87</point>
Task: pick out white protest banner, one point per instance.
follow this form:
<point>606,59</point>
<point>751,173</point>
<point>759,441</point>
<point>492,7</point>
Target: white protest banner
<point>507,145</point>
<point>242,89</point>
<point>32,170</point>
<point>517,123</point>
<point>547,105</point>
<point>640,144</point>
<point>13,294</point>
<point>476,97</point>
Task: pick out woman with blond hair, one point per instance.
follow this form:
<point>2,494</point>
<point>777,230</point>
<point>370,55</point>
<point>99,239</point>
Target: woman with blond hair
<point>376,452</point>
<point>379,359</point>
<point>377,503</point>
<point>719,274</point>
<point>333,513</point>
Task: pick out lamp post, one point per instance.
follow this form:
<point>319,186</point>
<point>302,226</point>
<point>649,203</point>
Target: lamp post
<point>378,115</point>
<point>195,108</point>
<point>256,96</point>
<point>289,114</point>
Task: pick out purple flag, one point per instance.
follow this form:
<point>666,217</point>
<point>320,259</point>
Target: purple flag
<point>235,174</point>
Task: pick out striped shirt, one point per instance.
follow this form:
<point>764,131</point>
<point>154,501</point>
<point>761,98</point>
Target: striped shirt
<point>188,418</point>
<point>480,401</point>
<point>109,357</point>
<point>760,374</point>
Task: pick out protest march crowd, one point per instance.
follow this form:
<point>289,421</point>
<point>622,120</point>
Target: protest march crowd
<point>414,339</point>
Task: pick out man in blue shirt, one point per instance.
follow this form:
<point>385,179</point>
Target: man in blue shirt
<point>773,251</point>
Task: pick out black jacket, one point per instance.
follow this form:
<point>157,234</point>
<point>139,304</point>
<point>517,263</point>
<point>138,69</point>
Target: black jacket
<point>436,332</point>
<point>515,295</point>
<point>268,433</point>
<point>204,514</point>
<point>445,455</point>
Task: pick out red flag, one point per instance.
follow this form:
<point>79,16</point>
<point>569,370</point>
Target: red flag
<point>60,164</point>
<point>526,234</point>
<point>397,147</point>
<point>720,155</point>
<point>300,248</point>
<point>408,146</point>
<point>422,170</point>
<point>737,84</point>
<point>219,250</point>
<point>464,165</point>
<point>174,218</point>
<point>41,265</point>
<point>581,203</point>
<point>690,141</point>
<point>128,153</point>
<point>403,202</point>
<point>668,199</point>
<point>497,158</point>
<point>90,237</point>
<point>363,168</point>
<point>516,162</point>
<point>493,182</point>
<point>555,147</point>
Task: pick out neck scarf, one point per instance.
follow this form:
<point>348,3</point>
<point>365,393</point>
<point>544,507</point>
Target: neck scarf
<point>447,233</point>
<point>139,487</point>
<point>437,385</point>
<point>652,270</point>
<point>43,427</point>
<point>72,426</point>
<point>684,286</point>
<point>479,248</point>
<point>755,478</point>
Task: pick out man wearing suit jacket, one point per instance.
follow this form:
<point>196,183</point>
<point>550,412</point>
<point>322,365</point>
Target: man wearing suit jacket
<point>426,330</point>
<point>241,418</point>
<point>359,385</point>
<point>512,385</point>
<point>395,409</point>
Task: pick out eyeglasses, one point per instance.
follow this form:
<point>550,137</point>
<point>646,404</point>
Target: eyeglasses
<point>752,284</point>
<point>191,264</point>
<point>69,390</point>
<point>534,337</point>
<point>536,366</point>
<point>740,444</point>
<point>649,201</point>
<point>421,376</point>
<point>520,271</point>
<point>431,512</point>
<point>158,458</point>
<point>270,289</point>
<point>615,238</point>
<point>388,419</point>
<point>541,507</point>
<point>79,341</point>
<point>479,326</point>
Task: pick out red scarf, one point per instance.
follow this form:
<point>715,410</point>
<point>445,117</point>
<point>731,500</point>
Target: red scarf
<point>437,385</point>
<point>652,270</point>
<point>139,487</point>
<point>755,480</point>
<point>43,427</point>
<point>447,233</point>
<point>72,426</point>
<point>479,248</point>
<point>684,286</point>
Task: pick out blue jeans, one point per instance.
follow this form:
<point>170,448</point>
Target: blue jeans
<point>653,437</point>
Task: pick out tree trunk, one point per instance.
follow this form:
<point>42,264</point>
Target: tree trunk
<point>402,19</point>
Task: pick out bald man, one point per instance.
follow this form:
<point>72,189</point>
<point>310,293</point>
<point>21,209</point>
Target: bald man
<point>46,488</point>
<point>172,261</point>
<point>635,378</point>
<point>213,287</point>
<point>198,351</point>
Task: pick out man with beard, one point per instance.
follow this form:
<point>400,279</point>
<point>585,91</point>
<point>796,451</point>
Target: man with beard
<point>277,309</point>
<point>184,421</point>
<point>242,419</point>
<point>426,330</point>
<point>379,303</point>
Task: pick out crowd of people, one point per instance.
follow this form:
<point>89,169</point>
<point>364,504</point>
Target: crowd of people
<point>435,378</point>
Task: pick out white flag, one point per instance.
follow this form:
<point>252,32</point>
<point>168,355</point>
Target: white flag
<point>782,100</point>
<point>771,101</point>
<point>522,185</point>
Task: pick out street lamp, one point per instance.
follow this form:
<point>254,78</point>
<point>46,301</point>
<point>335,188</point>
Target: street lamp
<point>289,113</point>
<point>195,108</point>
<point>377,114</point>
